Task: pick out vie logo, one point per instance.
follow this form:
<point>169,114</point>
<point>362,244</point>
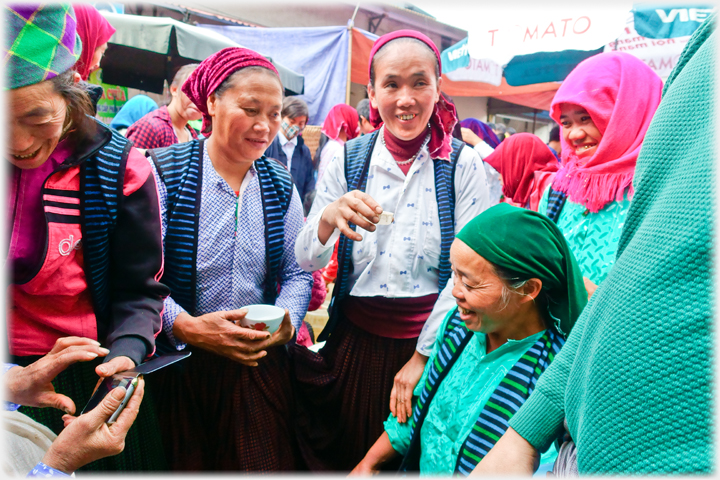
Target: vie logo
<point>684,14</point>
<point>68,245</point>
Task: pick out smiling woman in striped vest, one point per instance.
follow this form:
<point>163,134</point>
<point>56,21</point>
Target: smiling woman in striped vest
<point>230,217</point>
<point>518,291</point>
<point>392,289</point>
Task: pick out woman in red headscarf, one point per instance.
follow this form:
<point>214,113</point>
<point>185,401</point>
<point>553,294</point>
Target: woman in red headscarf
<point>94,32</point>
<point>230,216</point>
<point>527,167</point>
<point>395,199</point>
<point>341,124</point>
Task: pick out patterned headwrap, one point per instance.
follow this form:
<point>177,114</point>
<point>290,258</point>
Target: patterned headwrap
<point>40,42</point>
<point>444,116</point>
<point>213,71</point>
<point>530,245</point>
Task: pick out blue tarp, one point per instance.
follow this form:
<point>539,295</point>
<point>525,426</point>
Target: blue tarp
<point>319,53</point>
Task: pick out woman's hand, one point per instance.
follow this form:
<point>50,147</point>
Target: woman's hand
<point>116,365</point>
<point>469,136</point>
<point>217,332</point>
<point>89,438</point>
<point>351,207</point>
<point>31,386</point>
<point>589,286</point>
<point>379,453</point>
<point>405,381</point>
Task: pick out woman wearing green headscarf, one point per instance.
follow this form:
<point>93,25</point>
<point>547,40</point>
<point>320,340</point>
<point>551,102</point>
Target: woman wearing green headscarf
<point>518,291</point>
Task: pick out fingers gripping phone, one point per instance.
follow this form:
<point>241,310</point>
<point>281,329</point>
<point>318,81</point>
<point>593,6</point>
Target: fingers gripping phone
<point>129,379</point>
<point>126,379</point>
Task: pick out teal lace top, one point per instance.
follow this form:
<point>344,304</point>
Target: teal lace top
<point>593,237</point>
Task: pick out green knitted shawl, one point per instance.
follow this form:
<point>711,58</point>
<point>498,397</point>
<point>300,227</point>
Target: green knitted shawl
<point>634,378</point>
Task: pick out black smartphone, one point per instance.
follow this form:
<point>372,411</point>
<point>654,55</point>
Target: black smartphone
<point>129,379</point>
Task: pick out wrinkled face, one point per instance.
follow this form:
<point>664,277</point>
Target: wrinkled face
<point>579,130</point>
<point>478,291</point>
<point>37,115</point>
<point>185,107</point>
<point>246,118</point>
<point>406,89</point>
<point>97,56</point>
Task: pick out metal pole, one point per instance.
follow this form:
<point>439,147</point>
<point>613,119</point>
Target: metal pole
<point>350,26</point>
<point>534,118</point>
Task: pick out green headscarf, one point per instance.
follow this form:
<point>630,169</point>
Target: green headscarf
<point>530,245</point>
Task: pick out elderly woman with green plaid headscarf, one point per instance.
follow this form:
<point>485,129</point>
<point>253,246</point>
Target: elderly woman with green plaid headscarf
<point>85,245</point>
<point>518,291</point>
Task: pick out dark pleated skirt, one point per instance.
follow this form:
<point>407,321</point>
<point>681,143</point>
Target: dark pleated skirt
<point>143,445</point>
<point>219,415</point>
<point>343,394</point>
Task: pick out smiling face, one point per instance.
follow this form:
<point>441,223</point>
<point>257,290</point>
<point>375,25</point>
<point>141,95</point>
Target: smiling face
<point>246,117</point>
<point>478,291</point>
<point>37,116</point>
<point>406,88</point>
<point>579,130</point>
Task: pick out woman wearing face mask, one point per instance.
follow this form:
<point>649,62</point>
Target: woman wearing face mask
<point>289,148</point>
<point>85,246</point>
<point>392,288</point>
<point>604,108</point>
<point>230,405</point>
<point>168,125</point>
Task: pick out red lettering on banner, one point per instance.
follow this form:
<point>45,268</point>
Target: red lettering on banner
<point>492,41</point>
<point>565,20</point>
<point>586,28</point>
<point>669,64</point>
<point>547,30</point>
<point>527,32</point>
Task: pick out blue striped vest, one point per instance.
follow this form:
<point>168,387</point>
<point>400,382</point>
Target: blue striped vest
<point>506,400</point>
<point>180,168</point>
<point>101,190</point>
<point>357,163</point>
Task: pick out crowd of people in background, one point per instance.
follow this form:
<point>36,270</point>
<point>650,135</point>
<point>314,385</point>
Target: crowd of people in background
<point>500,304</point>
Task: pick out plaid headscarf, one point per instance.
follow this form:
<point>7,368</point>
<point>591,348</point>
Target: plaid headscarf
<point>40,42</point>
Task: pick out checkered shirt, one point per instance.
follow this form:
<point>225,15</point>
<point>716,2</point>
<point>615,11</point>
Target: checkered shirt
<point>231,264</point>
<point>154,130</point>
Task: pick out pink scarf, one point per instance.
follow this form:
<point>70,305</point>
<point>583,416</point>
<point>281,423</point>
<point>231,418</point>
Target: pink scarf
<point>213,71</point>
<point>444,116</point>
<point>93,30</point>
<point>621,95</point>
<point>341,117</point>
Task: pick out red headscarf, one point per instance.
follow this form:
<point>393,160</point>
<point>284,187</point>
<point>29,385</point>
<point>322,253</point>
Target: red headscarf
<point>93,30</point>
<point>342,117</point>
<point>213,71</point>
<point>444,116</point>
<point>521,159</point>
<point>621,95</point>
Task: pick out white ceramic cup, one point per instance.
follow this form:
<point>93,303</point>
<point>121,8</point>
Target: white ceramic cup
<point>263,318</point>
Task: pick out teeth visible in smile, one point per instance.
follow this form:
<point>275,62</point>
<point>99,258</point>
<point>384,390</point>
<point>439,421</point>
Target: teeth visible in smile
<point>464,311</point>
<point>406,117</point>
<point>586,147</point>
<point>29,155</point>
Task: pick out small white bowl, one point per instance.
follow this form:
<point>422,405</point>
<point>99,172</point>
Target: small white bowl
<point>264,318</point>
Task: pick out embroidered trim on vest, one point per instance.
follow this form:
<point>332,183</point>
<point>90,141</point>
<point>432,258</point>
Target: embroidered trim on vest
<point>506,400</point>
<point>358,153</point>
<point>555,204</point>
<point>101,191</point>
<point>180,167</point>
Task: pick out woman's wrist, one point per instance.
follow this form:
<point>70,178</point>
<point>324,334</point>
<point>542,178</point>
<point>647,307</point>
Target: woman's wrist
<point>180,327</point>
<point>325,228</point>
